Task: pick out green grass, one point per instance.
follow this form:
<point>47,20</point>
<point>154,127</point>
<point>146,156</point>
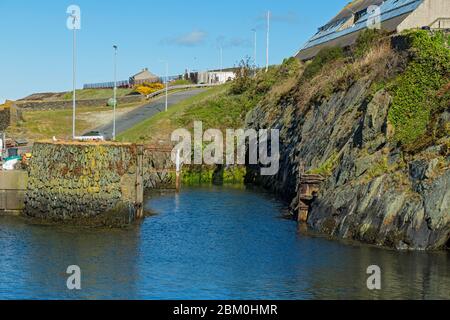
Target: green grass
<point>223,107</point>
<point>326,169</point>
<point>415,91</point>
<point>180,82</point>
<point>44,124</point>
<point>161,126</point>
<point>97,93</point>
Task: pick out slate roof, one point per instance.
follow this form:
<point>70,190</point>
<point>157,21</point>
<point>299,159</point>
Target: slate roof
<point>336,28</point>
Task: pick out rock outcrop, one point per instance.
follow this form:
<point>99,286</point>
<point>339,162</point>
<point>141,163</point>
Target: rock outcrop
<point>374,192</point>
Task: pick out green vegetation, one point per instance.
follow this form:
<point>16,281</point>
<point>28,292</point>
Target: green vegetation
<point>220,107</point>
<point>366,41</point>
<point>325,56</point>
<point>161,126</point>
<point>207,175</point>
<point>326,169</point>
<point>415,91</point>
<point>86,94</point>
<point>180,82</point>
<point>44,124</point>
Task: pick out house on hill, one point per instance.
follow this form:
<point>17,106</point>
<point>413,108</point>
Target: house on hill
<point>392,16</point>
<point>143,77</point>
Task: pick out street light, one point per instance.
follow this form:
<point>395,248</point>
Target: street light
<point>74,23</point>
<point>268,38</point>
<point>254,49</point>
<point>115,91</point>
<point>74,98</point>
<point>167,83</point>
<point>221,59</point>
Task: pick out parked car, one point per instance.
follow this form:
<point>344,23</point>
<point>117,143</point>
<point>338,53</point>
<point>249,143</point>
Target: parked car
<point>92,136</point>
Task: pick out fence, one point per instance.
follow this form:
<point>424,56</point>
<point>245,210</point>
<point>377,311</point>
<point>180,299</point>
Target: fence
<point>107,85</point>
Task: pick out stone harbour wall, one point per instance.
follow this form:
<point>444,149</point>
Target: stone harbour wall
<point>158,169</point>
<point>5,118</point>
<point>89,183</point>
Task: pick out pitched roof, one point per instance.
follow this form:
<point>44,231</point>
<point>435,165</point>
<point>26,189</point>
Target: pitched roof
<point>354,16</point>
<point>353,7</point>
<point>144,74</point>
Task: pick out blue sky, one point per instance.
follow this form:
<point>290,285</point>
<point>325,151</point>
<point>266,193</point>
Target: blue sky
<point>36,46</point>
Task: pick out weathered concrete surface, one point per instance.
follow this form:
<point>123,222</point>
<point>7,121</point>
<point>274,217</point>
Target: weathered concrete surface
<point>13,185</point>
<point>85,183</point>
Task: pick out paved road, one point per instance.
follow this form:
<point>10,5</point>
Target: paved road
<point>130,119</point>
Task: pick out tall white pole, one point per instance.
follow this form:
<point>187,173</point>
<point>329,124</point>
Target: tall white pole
<point>221,59</point>
<point>268,41</point>
<point>254,49</point>
<point>74,82</point>
<point>115,92</point>
<point>167,85</point>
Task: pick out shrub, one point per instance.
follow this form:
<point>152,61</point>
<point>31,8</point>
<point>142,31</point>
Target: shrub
<point>326,169</point>
<point>148,88</point>
<point>243,79</point>
<point>324,57</point>
<point>415,92</point>
<point>366,41</point>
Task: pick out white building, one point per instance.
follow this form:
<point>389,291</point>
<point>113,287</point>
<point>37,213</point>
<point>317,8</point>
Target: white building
<point>215,77</point>
<point>390,15</point>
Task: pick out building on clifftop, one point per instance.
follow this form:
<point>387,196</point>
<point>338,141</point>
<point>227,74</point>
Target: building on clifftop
<point>392,16</point>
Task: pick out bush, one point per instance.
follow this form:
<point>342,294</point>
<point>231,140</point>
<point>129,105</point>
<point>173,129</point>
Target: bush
<point>325,56</point>
<point>243,79</point>
<point>415,92</point>
<point>148,88</point>
<point>366,41</point>
<point>326,169</point>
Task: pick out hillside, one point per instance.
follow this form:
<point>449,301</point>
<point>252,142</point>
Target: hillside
<point>376,124</point>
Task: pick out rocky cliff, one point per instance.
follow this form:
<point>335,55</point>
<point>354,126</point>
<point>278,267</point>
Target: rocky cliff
<point>386,162</point>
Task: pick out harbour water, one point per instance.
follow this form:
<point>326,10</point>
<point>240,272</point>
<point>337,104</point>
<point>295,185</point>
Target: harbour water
<point>208,243</point>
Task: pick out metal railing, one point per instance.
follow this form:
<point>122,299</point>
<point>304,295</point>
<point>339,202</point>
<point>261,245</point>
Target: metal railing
<point>180,87</point>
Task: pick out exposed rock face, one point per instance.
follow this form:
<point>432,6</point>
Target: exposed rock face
<point>372,193</point>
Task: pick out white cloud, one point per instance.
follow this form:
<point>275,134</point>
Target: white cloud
<point>191,39</point>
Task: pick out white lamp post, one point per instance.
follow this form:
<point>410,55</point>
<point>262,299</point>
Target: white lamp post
<point>115,92</point>
<point>74,23</point>
<point>268,41</point>
<point>167,83</point>
<point>254,49</point>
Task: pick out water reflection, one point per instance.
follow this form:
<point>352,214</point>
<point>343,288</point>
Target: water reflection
<point>208,243</point>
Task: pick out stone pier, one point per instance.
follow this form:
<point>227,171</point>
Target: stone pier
<point>86,183</point>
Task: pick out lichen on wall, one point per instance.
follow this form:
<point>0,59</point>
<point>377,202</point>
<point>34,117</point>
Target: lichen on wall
<point>82,181</point>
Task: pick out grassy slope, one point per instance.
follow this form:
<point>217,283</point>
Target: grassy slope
<point>46,124</point>
<point>97,93</point>
<point>222,108</point>
<point>161,126</point>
